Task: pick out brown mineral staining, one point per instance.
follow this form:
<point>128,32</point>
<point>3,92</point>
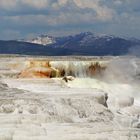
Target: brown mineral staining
<point>43,69</point>
<point>95,69</point>
<point>62,73</point>
<point>34,73</point>
<point>39,69</point>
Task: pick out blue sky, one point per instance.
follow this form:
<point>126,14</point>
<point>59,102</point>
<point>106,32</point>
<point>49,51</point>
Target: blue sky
<point>29,18</point>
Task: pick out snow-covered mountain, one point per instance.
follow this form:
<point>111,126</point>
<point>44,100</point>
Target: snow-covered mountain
<point>42,40</point>
<point>84,38</point>
<point>86,43</point>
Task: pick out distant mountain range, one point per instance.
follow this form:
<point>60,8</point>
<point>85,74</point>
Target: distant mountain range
<point>85,43</point>
<point>42,40</point>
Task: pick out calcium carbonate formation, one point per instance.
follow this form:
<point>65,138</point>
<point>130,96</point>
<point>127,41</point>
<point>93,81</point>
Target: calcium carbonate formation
<point>69,100</point>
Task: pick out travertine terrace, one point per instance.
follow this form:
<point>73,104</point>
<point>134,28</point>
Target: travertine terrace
<point>36,103</point>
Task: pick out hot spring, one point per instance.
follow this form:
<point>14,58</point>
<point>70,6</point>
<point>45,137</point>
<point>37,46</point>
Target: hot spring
<point>80,98</point>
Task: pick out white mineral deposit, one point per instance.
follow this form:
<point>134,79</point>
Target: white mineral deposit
<point>61,99</point>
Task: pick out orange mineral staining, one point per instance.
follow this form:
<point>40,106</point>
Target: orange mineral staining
<point>39,69</point>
